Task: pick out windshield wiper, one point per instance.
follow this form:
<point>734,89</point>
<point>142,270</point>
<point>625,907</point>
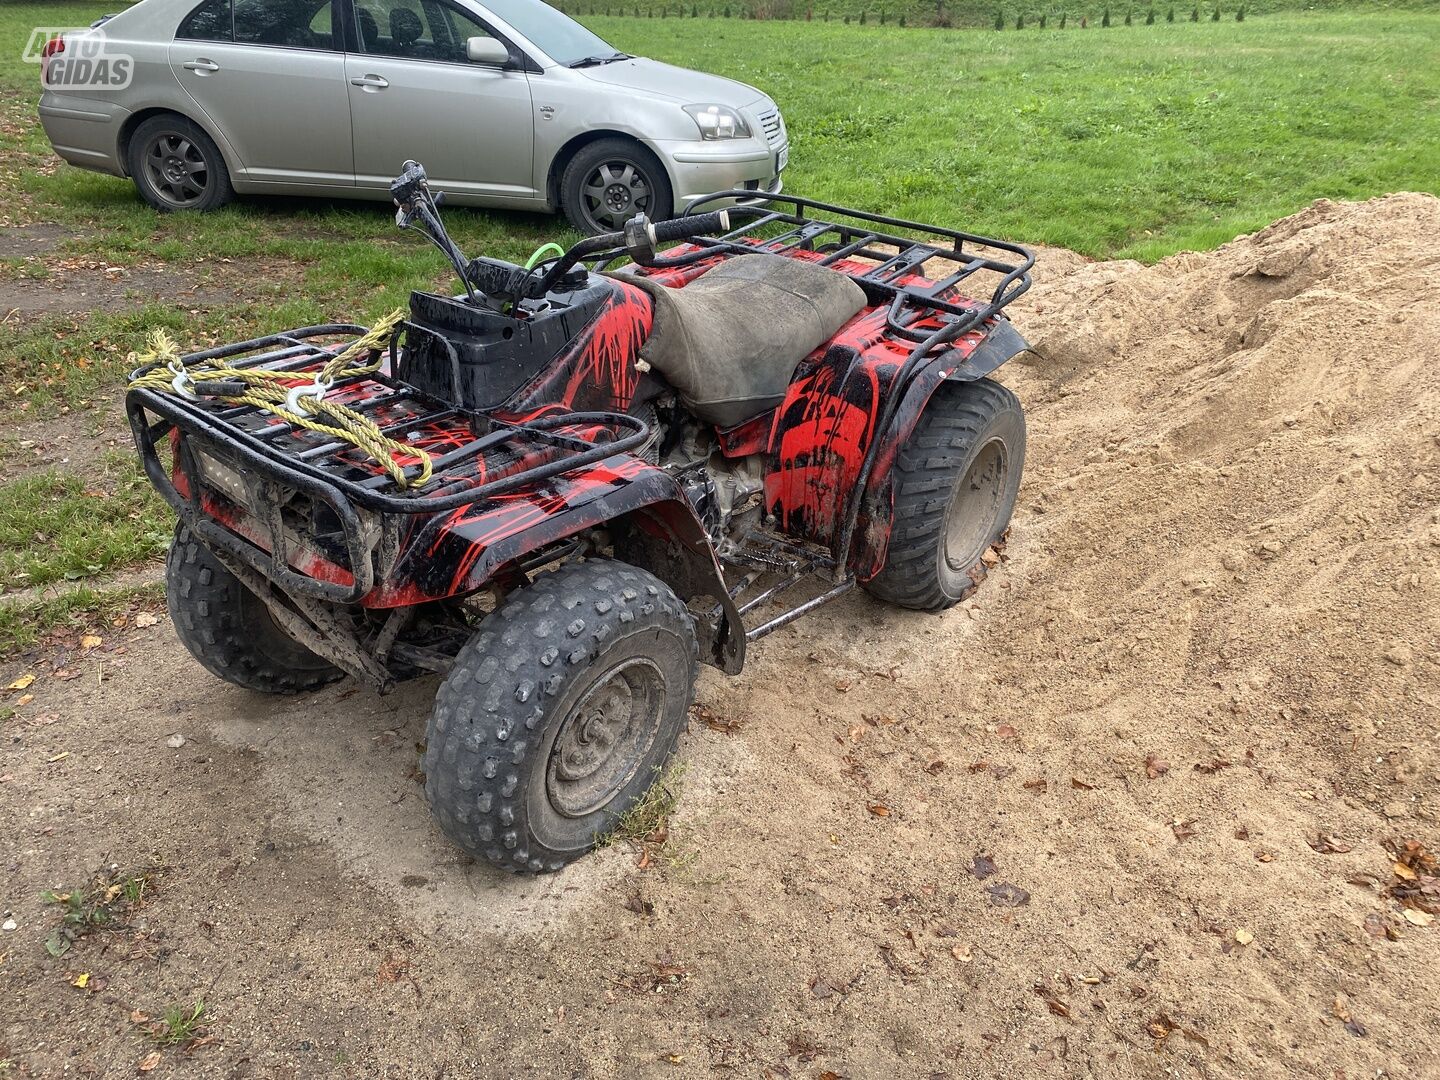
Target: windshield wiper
<point>596,61</point>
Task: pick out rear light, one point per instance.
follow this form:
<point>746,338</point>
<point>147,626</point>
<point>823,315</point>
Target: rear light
<point>53,46</point>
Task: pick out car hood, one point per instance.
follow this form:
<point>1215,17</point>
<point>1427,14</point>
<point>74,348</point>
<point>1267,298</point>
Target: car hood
<point>674,83</point>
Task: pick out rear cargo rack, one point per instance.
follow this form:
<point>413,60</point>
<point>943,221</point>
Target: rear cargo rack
<point>475,457</point>
<point>925,306</point>
<point>267,443</point>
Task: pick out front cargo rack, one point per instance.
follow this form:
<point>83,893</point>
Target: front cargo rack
<point>474,455</point>
<point>925,305</point>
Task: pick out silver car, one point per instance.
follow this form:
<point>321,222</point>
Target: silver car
<point>509,103</point>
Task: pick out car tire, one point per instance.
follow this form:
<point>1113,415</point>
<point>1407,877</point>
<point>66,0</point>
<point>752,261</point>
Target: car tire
<point>612,180</point>
<point>559,714</point>
<point>955,483</point>
<point>176,166</point>
<point>230,630</point>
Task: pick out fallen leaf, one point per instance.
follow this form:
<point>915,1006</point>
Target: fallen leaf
<point>1038,785</point>
<point>1155,767</point>
<point>823,988</point>
<point>1376,926</point>
<point>1006,731</point>
<point>1003,894</point>
<point>138,1017</point>
<point>149,1061</point>
<point>1418,918</point>
<point>673,1059</point>
<point>935,768</point>
<point>146,619</point>
<point>1212,766</point>
<point>1356,1028</point>
<point>1244,937</point>
<point>91,641</point>
<point>1264,856</point>
<point>1328,845</point>
<point>392,969</point>
<point>982,866</point>
<point>1080,785</point>
<point>1183,829</point>
<point>1052,1000</point>
<point>856,732</point>
<point>1161,1027</point>
<point>879,809</point>
<point>962,953</point>
<point>639,905</point>
<point>24,699</point>
<point>22,682</point>
<point>1403,871</point>
<point>82,980</point>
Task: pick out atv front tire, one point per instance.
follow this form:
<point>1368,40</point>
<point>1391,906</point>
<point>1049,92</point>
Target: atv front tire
<point>230,630</point>
<point>559,714</point>
<point>955,482</point>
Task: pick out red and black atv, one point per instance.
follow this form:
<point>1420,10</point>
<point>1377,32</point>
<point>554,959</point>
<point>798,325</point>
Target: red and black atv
<point>623,474</point>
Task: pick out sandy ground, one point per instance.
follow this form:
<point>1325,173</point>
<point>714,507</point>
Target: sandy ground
<point>1144,794</point>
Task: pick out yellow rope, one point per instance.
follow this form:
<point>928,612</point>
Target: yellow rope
<point>272,391</point>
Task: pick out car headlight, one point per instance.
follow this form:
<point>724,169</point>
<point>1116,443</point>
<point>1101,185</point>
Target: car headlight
<point>718,122</point>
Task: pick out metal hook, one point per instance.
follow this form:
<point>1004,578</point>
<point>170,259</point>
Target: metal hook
<point>183,382</point>
<point>317,390</point>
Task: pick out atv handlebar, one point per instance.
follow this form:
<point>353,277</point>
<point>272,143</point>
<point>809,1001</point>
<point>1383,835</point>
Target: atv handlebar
<point>504,283</point>
<point>638,240</point>
<point>683,228</point>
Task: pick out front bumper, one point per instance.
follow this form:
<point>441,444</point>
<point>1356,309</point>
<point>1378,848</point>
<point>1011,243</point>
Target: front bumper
<point>85,131</point>
<point>699,168</point>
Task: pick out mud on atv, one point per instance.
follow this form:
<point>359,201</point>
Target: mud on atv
<point>631,473</point>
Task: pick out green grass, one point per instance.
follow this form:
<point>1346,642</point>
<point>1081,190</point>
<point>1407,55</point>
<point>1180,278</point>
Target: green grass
<point>23,624</point>
<point>180,1023</point>
<point>1135,143</point>
<point>960,13</point>
<point>57,525</point>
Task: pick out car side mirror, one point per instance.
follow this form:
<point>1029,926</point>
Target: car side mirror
<point>486,50</point>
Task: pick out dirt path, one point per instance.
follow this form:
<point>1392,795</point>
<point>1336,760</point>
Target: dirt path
<point>1142,795</point>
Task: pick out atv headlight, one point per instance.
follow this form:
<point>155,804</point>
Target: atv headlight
<point>718,122</point>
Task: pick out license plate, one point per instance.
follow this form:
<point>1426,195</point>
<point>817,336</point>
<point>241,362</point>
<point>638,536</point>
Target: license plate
<point>782,159</point>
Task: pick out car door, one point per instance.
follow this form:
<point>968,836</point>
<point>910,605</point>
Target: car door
<point>414,94</point>
<point>270,75</point>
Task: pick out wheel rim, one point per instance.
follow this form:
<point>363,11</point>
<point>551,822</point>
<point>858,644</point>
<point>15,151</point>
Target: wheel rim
<point>177,169</point>
<point>615,192</point>
<point>604,738</point>
<point>974,507</point>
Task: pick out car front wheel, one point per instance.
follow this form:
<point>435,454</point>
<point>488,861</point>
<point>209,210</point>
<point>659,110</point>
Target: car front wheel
<point>609,182</point>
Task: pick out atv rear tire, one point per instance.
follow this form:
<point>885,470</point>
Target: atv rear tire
<point>230,630</point>
<point>559,714</point>
<point>955,483</point>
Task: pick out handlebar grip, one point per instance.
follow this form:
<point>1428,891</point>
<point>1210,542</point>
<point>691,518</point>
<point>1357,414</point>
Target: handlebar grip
<point>682,228</point>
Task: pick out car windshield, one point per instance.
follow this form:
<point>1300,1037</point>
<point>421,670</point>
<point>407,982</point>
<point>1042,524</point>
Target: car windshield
<point>561,37</point>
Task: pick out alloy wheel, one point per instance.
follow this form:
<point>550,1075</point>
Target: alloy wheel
<point>615,192</point>
<point>176,169</point>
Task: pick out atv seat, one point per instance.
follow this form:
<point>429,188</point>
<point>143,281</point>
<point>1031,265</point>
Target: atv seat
<point>730,341</point>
